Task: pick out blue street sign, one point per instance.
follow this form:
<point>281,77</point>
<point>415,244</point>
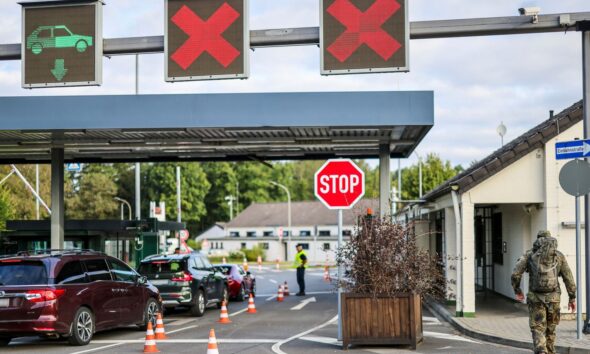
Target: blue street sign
<point>572,149</point>
<point>74,167</point>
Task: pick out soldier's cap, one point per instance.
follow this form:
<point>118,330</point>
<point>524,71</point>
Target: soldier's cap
<point>544,233</point>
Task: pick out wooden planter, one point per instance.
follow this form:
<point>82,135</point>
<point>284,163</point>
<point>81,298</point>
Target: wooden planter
<point>381,320</point>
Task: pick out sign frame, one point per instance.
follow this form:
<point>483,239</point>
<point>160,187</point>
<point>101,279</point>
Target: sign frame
<point>245,54</point>
<point>406,44</point>
<point>352,204</point>
<point>579,149</point>
<point>98,44</point>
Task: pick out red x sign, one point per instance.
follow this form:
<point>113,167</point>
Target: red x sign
<point>363,35</point>
<point>206,39</point>
<point>205,36</point>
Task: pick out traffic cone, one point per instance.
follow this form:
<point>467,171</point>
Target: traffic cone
<point>286,289</point>
<point>278,265</point>
<point>160,332</point>
<point>280,296</point>
<point>245,265</point>
<point>224,317</point>
<point>212,346</point>
<point>223,260</point>
<point>251,306</point>
<point>259,264</point>
<point>150,341</point>
<point>327,274</point>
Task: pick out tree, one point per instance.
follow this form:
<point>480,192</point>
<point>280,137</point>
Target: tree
<point>6,209</point>
<point>20,198</point>
<point>254,183</point>
<point>159,185</point>
<point>434,173</point>
<point>93,194</point>
<point>222,177</point>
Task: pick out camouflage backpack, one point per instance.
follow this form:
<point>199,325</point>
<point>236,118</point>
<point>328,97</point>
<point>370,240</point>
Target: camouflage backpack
<point>543,266</point>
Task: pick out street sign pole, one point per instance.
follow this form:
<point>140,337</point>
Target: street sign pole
<point>339,277</point>
<point>578,271</point>
<point>586,108</point>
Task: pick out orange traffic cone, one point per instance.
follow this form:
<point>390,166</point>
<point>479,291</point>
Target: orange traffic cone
<point>327,274</point>
<point>259,264</point>
<point>224,317</point>
<point>223,260</point>
<point>160,332</point>
<point>286,289</point>
<point>245,264</point>
<point>212,346</point>
<point>150,341</point>
<point>278,265</point>
<point>280,296</point>
<point>251,306</point>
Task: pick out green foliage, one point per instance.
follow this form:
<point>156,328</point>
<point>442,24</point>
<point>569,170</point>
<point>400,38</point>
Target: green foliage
<point>434,172</point>
<point>20,198</point>
<point>223,181</point>
<point>237,255</point>
<point>160,185</point>
<point>194,244</point>
<point>253,253</point>
<point>93,194</point>
<point>6,210</point>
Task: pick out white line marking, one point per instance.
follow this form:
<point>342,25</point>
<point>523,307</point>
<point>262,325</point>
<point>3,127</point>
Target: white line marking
<point>273,281</point>
<point>303,303</point>
<point>99,348</point>
<point>448,336</point>
<point>181,322</point>
<point>238,312</point>
<point>430,319</point>
<point>277,347</point>
<point>323,340</point>
<point>272,297</point>
<point>307,293</point>
<point>181,329</point>
<point>191,341</point>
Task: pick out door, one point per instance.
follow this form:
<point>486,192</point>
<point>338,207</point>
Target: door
<point>105,293</point>
<point>216,280</point>
<point>131,295</point>
<point>205,275</point>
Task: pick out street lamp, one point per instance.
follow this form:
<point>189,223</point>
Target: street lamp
<point>288,205</point>
<point>230,200</point>
<point>501,130</point>
<point>121,200</point>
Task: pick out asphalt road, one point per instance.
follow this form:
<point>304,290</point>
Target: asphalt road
<point>278,327</point>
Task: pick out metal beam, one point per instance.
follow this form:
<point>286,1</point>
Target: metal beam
<point>384,180</point>
<point>57,198</point>
<point>311,35</point>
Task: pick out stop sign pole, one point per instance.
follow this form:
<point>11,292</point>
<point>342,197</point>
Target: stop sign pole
<point>339,184</point>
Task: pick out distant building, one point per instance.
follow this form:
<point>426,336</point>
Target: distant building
<point>214,232</point>
<point>312,224</point>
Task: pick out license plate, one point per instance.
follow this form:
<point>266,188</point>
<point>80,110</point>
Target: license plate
<point>159,282</point>
<point>4,302</point>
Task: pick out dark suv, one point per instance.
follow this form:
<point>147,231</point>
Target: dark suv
<point>187,280</point>
<point>71,294</point>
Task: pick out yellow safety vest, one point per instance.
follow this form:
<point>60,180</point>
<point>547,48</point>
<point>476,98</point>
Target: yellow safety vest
<point>298,262</point>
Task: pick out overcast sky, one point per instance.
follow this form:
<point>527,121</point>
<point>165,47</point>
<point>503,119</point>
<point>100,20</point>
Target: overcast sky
<point>477,82</point>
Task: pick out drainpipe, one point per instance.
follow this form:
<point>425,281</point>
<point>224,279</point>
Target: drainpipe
<point>459,247</point>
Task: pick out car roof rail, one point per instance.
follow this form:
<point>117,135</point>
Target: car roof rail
<point>61,252</point>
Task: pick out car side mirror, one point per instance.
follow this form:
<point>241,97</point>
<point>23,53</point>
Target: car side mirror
<point>142,280</point>
<point>248,273</point>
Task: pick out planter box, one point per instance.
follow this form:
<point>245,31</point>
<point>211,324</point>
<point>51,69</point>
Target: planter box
<point>381,320</point>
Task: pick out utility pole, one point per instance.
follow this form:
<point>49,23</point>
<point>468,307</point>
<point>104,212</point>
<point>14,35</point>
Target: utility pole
<point>37,204</point>
<point>178,203</point>
<point>137,164</point>
<point>230,201</point>
<point>288,205</point>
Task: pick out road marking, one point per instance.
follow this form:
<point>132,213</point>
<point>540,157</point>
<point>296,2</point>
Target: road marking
<point>187,341</point>
<point>277,347</point>
<point>272,281</point>
<point>430,319</point>
<point>181,329</point>
<point>239,312</point>
<point>181,322</point>
<point>303,303</point>
<point>449,337</point>
<point>270,298</point>
<point>323,340</point>
<point>99,348</point>
<point>307,293</point>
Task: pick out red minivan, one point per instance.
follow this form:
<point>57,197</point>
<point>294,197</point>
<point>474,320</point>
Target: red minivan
<point>71,294</point>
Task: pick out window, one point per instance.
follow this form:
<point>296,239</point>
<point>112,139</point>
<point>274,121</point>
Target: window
<point>46,33</point>
<point>122,272</point>
<point>286,233</point>
<point>220,245</point>
<point>326,246</point>
<point>234,234</point>
<point>325,233</point>
<point>497,252</point>
<point>346,232</point>
<point>60,32</point>
<point>23,273</point>
<point>198,263</point>
<point>305,246</point>
<point>242,245</point>
<point>264,245</point>
<point>71,273</point>
<point>304,233</point>
<point>251,234</point>
<point>97,270</point>
<point>267,233</point>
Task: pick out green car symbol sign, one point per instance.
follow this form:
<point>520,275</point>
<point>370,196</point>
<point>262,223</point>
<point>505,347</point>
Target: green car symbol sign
<point>56,37</point>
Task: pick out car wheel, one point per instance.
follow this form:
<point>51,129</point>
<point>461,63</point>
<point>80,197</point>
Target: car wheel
<point>82,327</point>
<point>242,293</point>
<point>198,305</point>
<point>81,46</point>
<point>150,314</point>
<point>224,298</point>
<point>4,341</point>
<point>37,48</point>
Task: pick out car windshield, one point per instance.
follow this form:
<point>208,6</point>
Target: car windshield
<point>22,273</point>
<point>163,266</point>
<point>226,270</point>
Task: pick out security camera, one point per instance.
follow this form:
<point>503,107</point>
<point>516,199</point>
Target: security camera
<point>530,11</point>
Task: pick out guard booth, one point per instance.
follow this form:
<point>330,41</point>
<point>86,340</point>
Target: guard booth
<point>128,240</point>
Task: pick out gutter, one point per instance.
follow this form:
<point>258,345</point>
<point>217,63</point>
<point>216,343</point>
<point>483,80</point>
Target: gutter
<point>459,249</point>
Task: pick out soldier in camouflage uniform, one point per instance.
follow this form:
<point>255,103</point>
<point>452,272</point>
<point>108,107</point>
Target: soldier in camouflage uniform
<point>543,300</point>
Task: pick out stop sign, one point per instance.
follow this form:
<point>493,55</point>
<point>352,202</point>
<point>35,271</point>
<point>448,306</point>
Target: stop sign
<point>339,184</point>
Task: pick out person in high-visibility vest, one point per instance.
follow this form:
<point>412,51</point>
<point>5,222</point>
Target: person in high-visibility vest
<point>300,263</point>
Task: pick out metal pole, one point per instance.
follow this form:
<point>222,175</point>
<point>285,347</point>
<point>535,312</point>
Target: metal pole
<point>586,108</point>
<point>57,198</point>
<point>29,187</point>
<point>339,277</point>
<point>37,190</point>
<point>578,271</point>
<point>420,175</point>
<point>122,211</point>
<point>399,178</point>
<point>137,191</point>
<point>384,180</point>
<point>288,205</point>
<point>136,74</point>
<point>178,204</point>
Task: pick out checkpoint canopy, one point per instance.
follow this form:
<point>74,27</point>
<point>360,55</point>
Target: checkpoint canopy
<point>214,127</point>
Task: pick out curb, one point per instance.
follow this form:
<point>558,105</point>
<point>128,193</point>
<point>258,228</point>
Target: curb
<point>439,310</point>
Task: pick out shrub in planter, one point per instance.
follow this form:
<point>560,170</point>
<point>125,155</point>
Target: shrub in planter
<point>386,276</point>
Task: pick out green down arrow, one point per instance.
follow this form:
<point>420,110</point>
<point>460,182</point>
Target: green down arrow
<point>59,70</point>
